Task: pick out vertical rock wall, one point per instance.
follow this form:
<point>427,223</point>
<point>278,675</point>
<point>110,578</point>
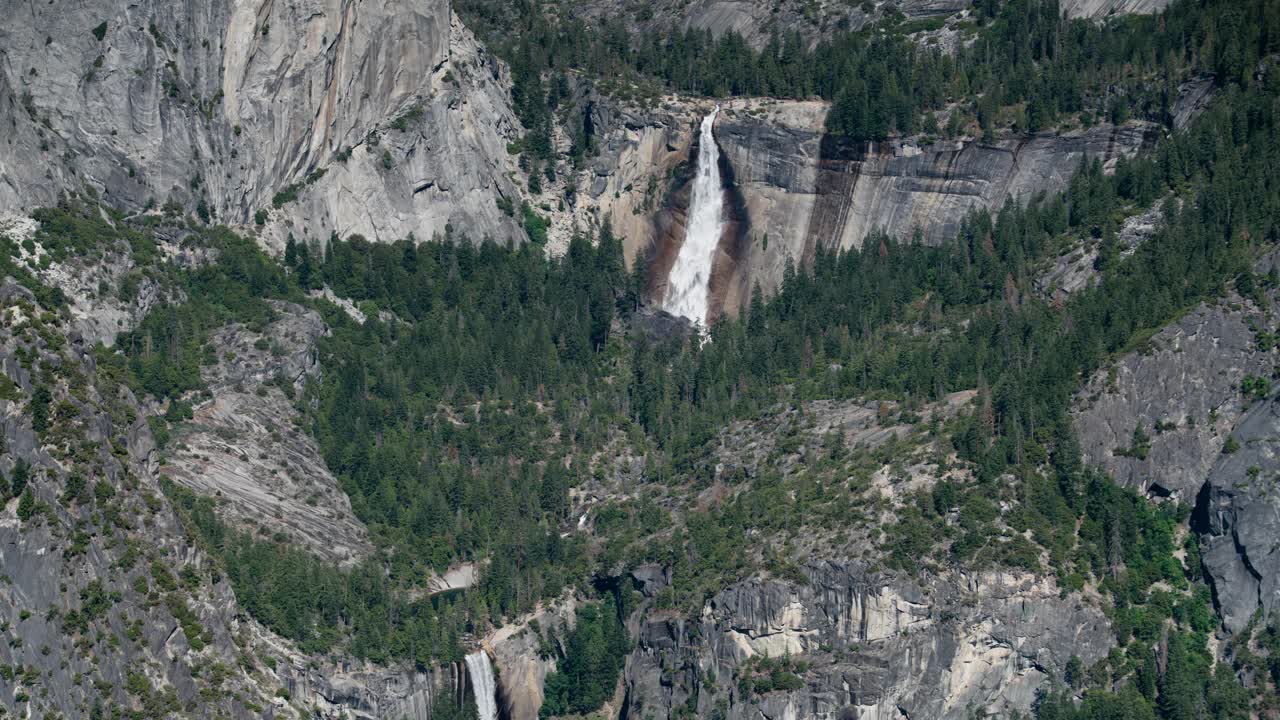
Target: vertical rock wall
<point>379,118</point>
<point>875,646</point>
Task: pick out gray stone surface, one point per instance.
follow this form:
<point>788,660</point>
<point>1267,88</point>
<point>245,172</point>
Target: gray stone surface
<point>244,448</point>
<point>1239,513</point>
<point>128,542</point>
<point>95,556</point>
<point>804,193</point>
<point>1075,270</point>
<point>1098,9</point>
<point>229,102</point>
<point>877,646</point>
<point>1189,375</point>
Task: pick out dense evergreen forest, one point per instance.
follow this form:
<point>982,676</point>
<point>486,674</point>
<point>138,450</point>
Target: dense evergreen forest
<point>1020,65</point>
<point>486,380</point>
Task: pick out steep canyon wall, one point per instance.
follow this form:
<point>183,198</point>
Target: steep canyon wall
<point>379,118</point>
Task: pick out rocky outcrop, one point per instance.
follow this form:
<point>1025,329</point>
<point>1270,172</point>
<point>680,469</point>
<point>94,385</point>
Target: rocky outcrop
<point>1077,270</point>
<point>1239,514</point>
<point>109,602</point>
<point>863,645</point>
<point>520,653</point>
<point>244,447</point>
<point>1183,390</point>
<point>381,118</point>
<point>1193,97</point>
<point>1098,9</point>
<point>636,152</point>
<point>359,691</point>
<point>792,189</point>
<point>758,21</point>
<point>804,190</point>
<point>106,602</point>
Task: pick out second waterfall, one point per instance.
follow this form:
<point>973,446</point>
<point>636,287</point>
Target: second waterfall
<point>688,285</point>
<point>482,685</point>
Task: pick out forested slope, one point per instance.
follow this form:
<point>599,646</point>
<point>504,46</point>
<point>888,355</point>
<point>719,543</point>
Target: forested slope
<point>875,466</point>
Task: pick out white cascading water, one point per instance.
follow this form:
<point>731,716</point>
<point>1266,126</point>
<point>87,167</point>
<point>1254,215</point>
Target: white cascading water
<point>483,685</point>
<point>687,286</point>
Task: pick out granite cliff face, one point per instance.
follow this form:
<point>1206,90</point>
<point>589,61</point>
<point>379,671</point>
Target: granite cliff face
<point>792,189</point>
<point>874,646</point>
<point>1182,392</point>
<point>1208,442</point>
<point>637,153</point>
<point>373,118</point>
<point>1098,9</point>
<point>90,594</point>
<point>798,190</point>
<point>243,446</point>
<point>106,597</point>
<point>1239,513</point>
<point>387,119</point>
<point>380,118</point>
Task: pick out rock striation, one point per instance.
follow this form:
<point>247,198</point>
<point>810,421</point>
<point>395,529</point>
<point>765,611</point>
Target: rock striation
<point>874,646</point>
<point>1099,9</point>
<point>792,189</point>
<point>244,447</point>
<point>804,190</point>
<point>108,603</point>
<point>378,118</point>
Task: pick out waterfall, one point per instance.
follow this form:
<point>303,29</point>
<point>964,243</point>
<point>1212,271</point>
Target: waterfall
<point>482,685</point>
<point>687,286</point>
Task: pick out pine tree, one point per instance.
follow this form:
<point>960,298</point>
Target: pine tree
<point>290,252</point>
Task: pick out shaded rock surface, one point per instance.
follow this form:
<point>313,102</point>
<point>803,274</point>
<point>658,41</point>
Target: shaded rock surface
<point>362,691</point>
<point>1218,450</point>
<point>90,596</point>
<point>1239,512</point>
<point>637,151</point>
<point>804,190</point>
<point>1077,270</point>
<point>877,646</point>
<point>518,654</point>
<point>796,189</point>
<point>108,599</point>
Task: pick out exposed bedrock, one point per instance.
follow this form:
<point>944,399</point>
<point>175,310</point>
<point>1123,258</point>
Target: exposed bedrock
<point>1239,514</point>
<point>634,174</point>
<point>1203,441</point>
<point>517,651</point>
<point>791,189</point>
<point>803,190</point>
<point>221,105</point>
<point>1098,9</point>
<point>1182,391</point>
<point>244,447</point>
<point>876,646</point>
